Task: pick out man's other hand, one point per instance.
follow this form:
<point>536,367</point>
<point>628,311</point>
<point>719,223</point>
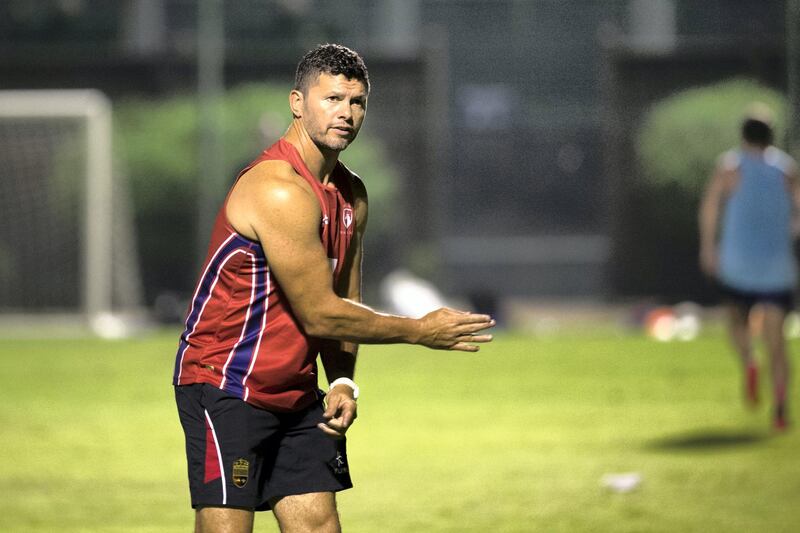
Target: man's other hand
<point>340,412</point>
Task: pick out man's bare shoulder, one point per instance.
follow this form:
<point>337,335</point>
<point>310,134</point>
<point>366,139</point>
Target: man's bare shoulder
<point>274,178</point>
<point>729,161</point>
<point>271,193</point>
<point>782,161</point>
<point>269,186</point>
<point>726,172</point>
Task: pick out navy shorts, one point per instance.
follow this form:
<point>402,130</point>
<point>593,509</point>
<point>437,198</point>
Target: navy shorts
<point>244,457</point>
<point>747,299</point>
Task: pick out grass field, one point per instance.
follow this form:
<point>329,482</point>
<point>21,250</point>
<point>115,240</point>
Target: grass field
<point>513,439</point>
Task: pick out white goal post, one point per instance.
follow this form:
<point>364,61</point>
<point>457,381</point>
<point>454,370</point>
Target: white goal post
<point>89,113</point>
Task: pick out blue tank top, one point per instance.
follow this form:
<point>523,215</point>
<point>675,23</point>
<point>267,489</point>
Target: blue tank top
<point>756,244</point>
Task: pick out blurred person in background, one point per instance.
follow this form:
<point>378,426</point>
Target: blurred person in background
<point>281,285</point>
<point>747,226</point>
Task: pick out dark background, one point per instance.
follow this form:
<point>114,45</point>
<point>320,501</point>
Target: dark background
<point>511,122</point>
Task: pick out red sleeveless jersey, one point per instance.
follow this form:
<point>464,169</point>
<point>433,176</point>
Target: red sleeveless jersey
<point>241,334</point>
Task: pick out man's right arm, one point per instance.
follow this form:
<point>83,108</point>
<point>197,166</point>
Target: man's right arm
<point>272,204</point>
<point>793,179</point>
<point>708,219</point>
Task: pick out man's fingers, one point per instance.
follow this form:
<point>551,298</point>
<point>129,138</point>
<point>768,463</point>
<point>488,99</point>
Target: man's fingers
<point>330,431</point>
<point>464,347</point>
<point>332,407</point>
<point>340,415</point>
<point>456,330</point>
<point>334,424</point>
<point>469,318</point>
<point>342,422</point>
<point>462,317</point>
<point>337,404</point>
<point>337,427</point>
<point>339,424</point>
<point>475,338</point>
<point>467,329</point>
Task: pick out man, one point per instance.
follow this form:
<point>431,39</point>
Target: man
<point>749,204</point>
<point>281,284</point>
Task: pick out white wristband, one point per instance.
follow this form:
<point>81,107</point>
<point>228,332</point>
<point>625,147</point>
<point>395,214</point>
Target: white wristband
<point>345,381</point>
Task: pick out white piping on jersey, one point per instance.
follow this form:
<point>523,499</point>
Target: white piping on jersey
<point>258,343</point>
<point>194,300</point>
<point>244,325</point>
<point>219,457</point>
<point>334,261</point>
<point>778,159</point>
<point>774,157</point>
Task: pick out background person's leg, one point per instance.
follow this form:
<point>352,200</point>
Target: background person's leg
<point>739,331</point>
<point>775,341</point>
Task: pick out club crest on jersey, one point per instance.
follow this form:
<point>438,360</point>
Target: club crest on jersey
<point>347,216</point>
<point>241,470</point>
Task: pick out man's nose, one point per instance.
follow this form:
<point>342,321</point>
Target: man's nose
<point>345,112</point>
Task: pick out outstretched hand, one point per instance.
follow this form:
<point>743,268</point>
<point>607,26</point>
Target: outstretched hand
<point>448,329</point>
<point>340,412</point>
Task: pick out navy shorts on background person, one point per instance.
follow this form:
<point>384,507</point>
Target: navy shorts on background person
<point>747,299</point>
<point>241,456</point>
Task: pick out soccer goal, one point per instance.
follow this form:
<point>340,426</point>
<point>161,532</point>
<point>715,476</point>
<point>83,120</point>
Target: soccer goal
<point>68,257</point>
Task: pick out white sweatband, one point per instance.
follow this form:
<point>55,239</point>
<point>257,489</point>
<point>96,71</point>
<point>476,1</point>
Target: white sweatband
<point>345,381</point>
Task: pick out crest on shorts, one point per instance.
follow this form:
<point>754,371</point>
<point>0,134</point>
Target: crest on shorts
<point>347,216</point>
<point>241,470</point>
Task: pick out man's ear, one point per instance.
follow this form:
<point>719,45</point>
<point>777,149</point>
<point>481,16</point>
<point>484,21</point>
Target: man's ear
<point>296,103</point>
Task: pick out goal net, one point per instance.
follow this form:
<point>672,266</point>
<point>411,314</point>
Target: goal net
<point>68,259</point>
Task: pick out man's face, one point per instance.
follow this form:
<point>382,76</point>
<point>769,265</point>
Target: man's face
<point>333,111</point>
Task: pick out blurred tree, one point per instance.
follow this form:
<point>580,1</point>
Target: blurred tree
<point>682,135</point>
<point>157,140</point>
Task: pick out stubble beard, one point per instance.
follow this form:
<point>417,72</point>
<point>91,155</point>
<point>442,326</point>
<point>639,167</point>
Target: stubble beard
<point>326,143</point>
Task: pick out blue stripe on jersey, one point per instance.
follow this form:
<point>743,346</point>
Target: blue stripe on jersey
<point>245,350</point>
<point>203,292</point>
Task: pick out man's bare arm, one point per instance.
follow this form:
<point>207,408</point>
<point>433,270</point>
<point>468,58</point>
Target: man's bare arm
<point>272,204</point>
<point>339,357</point>
<point>793,180</point>
<point>708,219</point>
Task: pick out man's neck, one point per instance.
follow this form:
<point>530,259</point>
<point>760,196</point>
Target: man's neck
<point>319,163</point>
<point>752,148</point>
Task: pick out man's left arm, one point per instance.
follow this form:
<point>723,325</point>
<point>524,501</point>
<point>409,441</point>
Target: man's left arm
<point>793,179</point>
<point>339,357</point>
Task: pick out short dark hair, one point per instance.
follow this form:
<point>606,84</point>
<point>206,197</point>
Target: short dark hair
<point>757,132</point>
<point>332,59</point>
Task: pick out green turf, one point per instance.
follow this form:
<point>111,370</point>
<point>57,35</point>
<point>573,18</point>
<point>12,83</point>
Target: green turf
<point>513,439</point>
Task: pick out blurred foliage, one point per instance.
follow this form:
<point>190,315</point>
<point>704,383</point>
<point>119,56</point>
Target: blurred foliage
<point>683,135</point>
<point>158,142</point>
